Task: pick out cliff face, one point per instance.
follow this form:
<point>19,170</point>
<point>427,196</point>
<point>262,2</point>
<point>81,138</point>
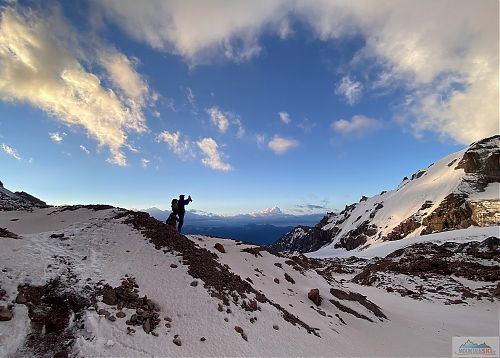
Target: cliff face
<point>458,191</point>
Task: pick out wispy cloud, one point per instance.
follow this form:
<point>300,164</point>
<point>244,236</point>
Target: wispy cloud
<point>181,147</point>
<point>306,125</point>
<point>281,145</point>
<point>85,150</point>
<point>212,158</point>
<point>145,162</point>
<point>10,151</point>
<point>284,117</point>
<point>222,120</point>
<point>358,125</point>
<point>191,100</point>
<point>57,137</point>
<point>218,118</point>
<point>350,89</point>
<point>45,65</point>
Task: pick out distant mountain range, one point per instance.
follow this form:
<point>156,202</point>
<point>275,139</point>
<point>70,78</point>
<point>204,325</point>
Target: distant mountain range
<point>458,191</point>
<point>262,228</point>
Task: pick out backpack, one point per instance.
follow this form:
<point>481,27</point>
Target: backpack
<point>175,205</point>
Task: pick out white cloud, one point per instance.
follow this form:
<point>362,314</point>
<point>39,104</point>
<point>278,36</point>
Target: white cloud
<point>285,117</point>
<point>197,30</point>
<point>212,158</point>
<point>57,137</point>
<point>218,118</point>
<point>268,212</point>
<point>350,89</point>
<point>144,162</point>
<point>358,125</point>
<point>44,64</point>
<point>182,148</point>
<point>281,145</point>
<point>419,45</point>
<point>85,150</point>
<point>10,151</point>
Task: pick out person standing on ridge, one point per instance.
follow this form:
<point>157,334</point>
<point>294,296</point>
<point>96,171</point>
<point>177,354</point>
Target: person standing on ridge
<point>181,210</point>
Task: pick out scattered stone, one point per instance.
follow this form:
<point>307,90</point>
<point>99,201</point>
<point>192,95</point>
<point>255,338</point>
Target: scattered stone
<point>120,314</point>
<point>177,341</point>
<point>103,312</point>
<point>252,320</point>
<point>276,281</point>
<point>314,296</point>
<point>173,266</point>
<point>220,248</point>
<point>168,319</point>
<point>5,314</point>
<point>228,310</point>
<point>289,278</point>
<point>277,264</point>
<point>20,299</point>
<point>130,330</point>
<point>194,283</point>
<point>154,334</point>
<point>168,325</point>
<point>2,293</point>
<point>147,326</point>
<point>238,329</point>
<point>276,327</point>
<point>108,295</point>
<point>226,319</point>
<point>203,339</point>
<point>220,308</point>
<point>84,258</point>
<point>112,318</point>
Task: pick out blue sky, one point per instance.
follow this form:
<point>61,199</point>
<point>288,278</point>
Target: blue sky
<point>300,105</point>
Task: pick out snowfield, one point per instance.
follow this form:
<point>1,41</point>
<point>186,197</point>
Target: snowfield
<point>90,248</point>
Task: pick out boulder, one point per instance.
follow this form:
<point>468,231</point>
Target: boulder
<point>314,296</point>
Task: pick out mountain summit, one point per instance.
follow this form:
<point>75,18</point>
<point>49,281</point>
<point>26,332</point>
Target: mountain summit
<point>459,191</point>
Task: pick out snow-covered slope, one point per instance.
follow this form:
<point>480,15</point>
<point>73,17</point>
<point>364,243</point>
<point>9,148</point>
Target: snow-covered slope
<point>69,274</point>
<point>458,191</point>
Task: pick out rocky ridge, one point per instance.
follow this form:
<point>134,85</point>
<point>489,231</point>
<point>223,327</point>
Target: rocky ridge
<point>459,191</point>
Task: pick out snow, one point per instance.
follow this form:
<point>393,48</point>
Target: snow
<point>103,248</point>
<point>382,249</point>
<point>491,192</point>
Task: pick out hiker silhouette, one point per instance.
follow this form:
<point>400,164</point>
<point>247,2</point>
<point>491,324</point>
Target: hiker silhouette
<point>181,210</point>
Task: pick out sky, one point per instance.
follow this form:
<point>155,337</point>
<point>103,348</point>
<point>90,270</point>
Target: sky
<point>264,106</point>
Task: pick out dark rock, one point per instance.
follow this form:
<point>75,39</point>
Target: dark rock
<point>289,278</point>
<point>5,314</point>
<point>203,339</point>
<point>173,266</point>
<point>108,295</point>
<point>277,264</point>
<point>61,354</point>
<point>120,314</point>
<point>314,296</point>
<point>220,248</point>
<point>20,299</point>
<point>276,327</point>
<point>112,318</point>
<point>147,326</point>
<point>194,283</point>
<point>177,341</point>
<point>276,281</point>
